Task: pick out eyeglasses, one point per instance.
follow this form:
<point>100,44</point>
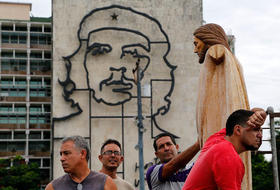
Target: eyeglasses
<point>110,152</point>
<point>79,186</point>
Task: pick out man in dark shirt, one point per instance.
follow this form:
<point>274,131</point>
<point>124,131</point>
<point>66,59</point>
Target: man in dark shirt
<point>75,154</point>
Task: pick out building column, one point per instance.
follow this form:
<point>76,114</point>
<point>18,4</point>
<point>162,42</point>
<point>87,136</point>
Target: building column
<point>27,132</point>
<point>0,47</point>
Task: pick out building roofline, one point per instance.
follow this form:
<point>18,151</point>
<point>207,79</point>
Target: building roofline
<point>41,19</point>
<point>17,3</point>
<point>32,19</point>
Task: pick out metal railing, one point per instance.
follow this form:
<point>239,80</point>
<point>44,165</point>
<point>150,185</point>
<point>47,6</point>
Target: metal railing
<point>272,115</point>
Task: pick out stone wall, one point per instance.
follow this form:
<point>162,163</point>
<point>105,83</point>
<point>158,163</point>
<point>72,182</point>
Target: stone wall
<point>161,32</point>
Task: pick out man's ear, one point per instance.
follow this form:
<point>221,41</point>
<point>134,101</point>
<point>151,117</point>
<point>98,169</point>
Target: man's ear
<point>177,147</point>
<point>84,153</point>
<point>121,158</point>
<point>100,157</point>
<point>156,154</point>
<point>237,130</point>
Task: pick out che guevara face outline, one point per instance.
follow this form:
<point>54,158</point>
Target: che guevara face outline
<point>110,63</point>
<point>155,37</point>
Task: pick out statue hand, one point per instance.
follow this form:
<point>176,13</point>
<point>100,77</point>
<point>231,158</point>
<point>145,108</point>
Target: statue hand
<point>217,53</point>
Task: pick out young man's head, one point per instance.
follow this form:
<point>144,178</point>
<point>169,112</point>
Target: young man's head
<point>111,155</point>
<point>165,147</point>
<point>74,152</point>
<point>250,138</point>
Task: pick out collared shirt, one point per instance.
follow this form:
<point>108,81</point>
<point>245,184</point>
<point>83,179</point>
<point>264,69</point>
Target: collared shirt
<point>173,182</point>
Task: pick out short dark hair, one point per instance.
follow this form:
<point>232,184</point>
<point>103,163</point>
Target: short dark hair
<point>163,135</point>
<point>110,141</point>
<point>239,117</point>
<point>80,143</point>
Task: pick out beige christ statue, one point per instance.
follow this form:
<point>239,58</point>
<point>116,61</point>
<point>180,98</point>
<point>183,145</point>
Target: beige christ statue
<point>222,88</point>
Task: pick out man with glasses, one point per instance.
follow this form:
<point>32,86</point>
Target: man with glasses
<point>111,157</point>
<point>75,154</point>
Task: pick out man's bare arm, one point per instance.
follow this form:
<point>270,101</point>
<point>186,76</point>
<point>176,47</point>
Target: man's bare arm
<point>49,187</point>
<point>109,184</point>
<point>258,118</point>
<point>180,160</point>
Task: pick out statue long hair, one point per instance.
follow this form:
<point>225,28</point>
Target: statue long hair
<point>212,34</point>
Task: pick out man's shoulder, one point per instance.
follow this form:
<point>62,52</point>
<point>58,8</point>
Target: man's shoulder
<point>214,139</point>
<point>61,178</point>
<point>122,184</point>
<point>156,170</point>
<point>97,176</point>
<point>222,150</point>
<point>94,174</point>
<point>223,145</point>
<point>152,174</point>
<point>97,180</point>
<point>61,182</point>
<point>152,168</point>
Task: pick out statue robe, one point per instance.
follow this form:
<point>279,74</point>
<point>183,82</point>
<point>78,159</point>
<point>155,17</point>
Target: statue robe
<point>222,90</point>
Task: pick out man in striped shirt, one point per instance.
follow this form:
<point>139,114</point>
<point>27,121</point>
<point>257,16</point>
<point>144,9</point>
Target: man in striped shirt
<point>172,171</point>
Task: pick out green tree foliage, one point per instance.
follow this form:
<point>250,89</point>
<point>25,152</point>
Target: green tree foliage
<point>262,173</point>
<point>262,169</point>
<point>20,176</point>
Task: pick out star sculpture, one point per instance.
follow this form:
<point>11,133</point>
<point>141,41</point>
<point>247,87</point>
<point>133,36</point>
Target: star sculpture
<point>114,16</point>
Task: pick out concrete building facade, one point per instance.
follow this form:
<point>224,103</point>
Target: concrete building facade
<point>25,86</point>
<point>96,47</point>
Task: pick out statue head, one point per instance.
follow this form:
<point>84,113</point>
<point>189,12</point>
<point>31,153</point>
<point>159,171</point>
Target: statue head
<point>209,35</point>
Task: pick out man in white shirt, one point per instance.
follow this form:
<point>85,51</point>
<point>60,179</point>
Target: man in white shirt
<point>111,157</point>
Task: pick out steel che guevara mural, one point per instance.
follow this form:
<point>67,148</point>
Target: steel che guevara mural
<point>113,45</point>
